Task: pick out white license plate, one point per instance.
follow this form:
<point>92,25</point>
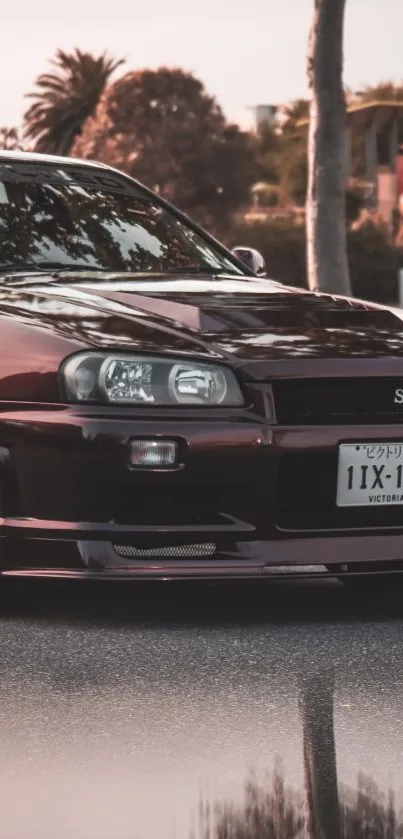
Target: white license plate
<point>370,475</point>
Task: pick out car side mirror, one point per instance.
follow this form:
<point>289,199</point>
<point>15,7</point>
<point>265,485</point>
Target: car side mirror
<point>252,259</point>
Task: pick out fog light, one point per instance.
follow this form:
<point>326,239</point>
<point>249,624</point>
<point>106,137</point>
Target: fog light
<point>153,453</point>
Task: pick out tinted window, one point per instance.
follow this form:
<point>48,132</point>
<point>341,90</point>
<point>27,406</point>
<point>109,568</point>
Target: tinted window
<point>74,217</point>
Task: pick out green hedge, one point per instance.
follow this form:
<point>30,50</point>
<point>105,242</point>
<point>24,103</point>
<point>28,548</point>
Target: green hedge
<point>374,262</point>
<point>374,265</point>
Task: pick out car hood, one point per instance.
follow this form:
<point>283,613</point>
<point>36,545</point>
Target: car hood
<point>242,319</point>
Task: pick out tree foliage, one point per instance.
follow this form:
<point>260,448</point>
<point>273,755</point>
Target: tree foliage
<point>163,128</point>
<point>293,114</point>
<point>294,170</point>
<point>268,148</point>
<point>271,809</point>
<point>385,91</point>
<point>10,139</point>
<point>374,262</point>
<point>281,152</point>
<point>65,99</point>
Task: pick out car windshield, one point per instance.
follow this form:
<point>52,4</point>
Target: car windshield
<point>78,219</point>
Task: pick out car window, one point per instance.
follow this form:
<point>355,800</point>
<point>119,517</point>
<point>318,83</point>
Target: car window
<point>54,221</point>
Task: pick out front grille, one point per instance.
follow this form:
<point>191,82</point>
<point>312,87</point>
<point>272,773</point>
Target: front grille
<point>337,401</point>
<point>306,497</point>
<point>199,551</point>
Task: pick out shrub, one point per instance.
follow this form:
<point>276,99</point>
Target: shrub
<point>266,195</point>
<point>374,261</point>
<point>281,243</point>
<point>354,202</point>
<point>374,264</point>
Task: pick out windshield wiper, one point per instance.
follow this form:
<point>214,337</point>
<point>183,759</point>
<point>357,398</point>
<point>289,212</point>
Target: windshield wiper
<point>50,273</point>
<point>20,266</point>
<point>48,267</point>
<point>59,267</point>
<point>56,269</point>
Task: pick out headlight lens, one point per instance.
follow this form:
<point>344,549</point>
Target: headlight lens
<point>138,380</point>
<point>188,383</point>
<point>126,381</point>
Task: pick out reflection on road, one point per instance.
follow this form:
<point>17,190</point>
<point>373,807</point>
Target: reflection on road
<point>212,713</point>
<point>273,811</point>
<point>327,810</point>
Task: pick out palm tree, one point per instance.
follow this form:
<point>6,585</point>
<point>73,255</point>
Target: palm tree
<point>293,115</point>
<point>64,99</point>
<point>327,152</point>
<point>10,139</point>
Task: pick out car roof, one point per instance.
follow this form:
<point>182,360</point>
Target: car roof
<point>36,157</point>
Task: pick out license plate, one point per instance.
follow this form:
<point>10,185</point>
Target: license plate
<point>370,475</point>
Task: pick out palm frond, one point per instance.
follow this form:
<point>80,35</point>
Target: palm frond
<point>64,99</point>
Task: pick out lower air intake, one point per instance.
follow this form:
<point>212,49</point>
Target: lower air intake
<point>206,549</point>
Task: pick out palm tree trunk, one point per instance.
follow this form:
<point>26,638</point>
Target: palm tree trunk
<point>327,152</point>
<point>316,704</point>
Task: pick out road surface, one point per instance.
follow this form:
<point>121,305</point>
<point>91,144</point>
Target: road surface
<point>130,711</point>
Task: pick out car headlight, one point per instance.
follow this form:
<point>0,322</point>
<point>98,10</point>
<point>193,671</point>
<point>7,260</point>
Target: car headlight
<point>142,380</point>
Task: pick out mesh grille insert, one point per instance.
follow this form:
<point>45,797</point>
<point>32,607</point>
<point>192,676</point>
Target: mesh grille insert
<point>205,549</point>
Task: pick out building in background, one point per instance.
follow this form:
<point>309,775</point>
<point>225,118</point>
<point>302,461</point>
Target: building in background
<point>381,123</point>
<point>378,127</point>
<point>263,114</point>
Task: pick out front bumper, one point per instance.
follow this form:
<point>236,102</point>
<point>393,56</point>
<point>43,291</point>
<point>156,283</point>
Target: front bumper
<point>70,502</point>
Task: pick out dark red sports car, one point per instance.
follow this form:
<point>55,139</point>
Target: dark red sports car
<point>167,413</point>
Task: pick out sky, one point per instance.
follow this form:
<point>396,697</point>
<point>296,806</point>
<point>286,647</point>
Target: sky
<point>246,53</point>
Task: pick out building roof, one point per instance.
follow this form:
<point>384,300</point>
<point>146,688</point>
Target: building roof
<point>362,113</point>
<point>382,111</point>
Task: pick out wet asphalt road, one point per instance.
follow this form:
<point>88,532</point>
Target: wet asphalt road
<point>121,707</point>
